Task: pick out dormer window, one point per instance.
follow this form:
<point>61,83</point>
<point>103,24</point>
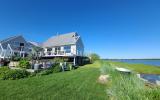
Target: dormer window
<point>75,35</point>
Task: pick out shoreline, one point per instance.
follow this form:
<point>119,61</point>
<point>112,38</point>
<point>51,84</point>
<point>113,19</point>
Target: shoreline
<point>133,59</point>
<point>139,68</point>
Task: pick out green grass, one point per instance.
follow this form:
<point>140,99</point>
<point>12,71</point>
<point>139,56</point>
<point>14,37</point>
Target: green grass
<point>80,84</point>
<point>127,86</point>
<point>140,68</point>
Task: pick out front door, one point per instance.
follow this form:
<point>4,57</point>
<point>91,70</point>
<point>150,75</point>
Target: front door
<point>57,50</point>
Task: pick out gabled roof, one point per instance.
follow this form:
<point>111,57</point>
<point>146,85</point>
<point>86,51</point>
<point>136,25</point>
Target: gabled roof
<point>3,42</point>
<point>10,38</point>
<point>34,44</point>
<point>64,39</point>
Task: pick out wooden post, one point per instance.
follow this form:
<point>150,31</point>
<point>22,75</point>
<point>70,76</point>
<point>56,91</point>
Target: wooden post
<point>74,62</point>
<point>23,54</point>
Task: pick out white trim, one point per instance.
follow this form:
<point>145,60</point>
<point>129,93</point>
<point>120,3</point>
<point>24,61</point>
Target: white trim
<point>1,55</point>
<point>10,49</point>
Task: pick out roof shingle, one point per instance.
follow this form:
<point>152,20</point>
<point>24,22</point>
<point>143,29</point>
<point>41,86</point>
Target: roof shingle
<point>64,39</point>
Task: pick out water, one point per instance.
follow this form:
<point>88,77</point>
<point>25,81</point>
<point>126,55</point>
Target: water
<point>155,62</point>
<point>150,77</point>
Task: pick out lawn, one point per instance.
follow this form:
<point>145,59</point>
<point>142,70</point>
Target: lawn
<point>79,84</point>
<point>140,68</point>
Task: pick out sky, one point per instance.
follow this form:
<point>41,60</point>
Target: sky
<point>110,28</point>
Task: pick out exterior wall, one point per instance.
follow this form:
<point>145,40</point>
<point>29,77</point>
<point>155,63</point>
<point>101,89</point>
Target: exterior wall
<point>53,49</point>
<point>80,47</point>
<point>73,49</point>
<point>62,48</point>
<point>45,50</point>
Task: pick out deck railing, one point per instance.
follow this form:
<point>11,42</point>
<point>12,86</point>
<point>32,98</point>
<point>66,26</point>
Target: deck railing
<point>60,53</point>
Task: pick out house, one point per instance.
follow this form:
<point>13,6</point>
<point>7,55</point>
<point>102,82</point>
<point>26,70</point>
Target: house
<point>67,45</point>
<point>14,46</point>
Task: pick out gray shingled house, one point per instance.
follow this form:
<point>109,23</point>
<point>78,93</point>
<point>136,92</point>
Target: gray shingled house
<point>15,45</point>
<point>68,45</point>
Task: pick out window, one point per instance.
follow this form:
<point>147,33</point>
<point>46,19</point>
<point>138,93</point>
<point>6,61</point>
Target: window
<point>57,48</point>
<point>49,49</point>
<point>21,44</point>
<point>67,49</point>
<point>15,43</point>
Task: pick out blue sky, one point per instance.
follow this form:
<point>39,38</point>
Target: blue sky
<point>111,28</point>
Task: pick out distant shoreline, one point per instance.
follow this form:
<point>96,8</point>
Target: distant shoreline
<point>133,59</point>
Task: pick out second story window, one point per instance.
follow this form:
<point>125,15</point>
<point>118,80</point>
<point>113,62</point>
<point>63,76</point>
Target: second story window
<point>67,49</point>
<point>21,44</point>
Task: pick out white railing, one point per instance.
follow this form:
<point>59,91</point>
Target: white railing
<point>1,51</point>
<point>9,51</point>
<point>57,53</point>
<point>6,53</point>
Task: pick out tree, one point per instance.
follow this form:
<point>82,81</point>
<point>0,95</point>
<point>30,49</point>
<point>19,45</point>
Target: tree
<point>35,53</point>
<point>94,57</point>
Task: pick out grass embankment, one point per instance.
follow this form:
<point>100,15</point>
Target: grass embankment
<point>127,86</point>
<point>78,84</point>
<point>140,68</point>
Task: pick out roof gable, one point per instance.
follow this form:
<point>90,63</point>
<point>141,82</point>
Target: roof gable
<point>10,38</point>
<point>64,39</point>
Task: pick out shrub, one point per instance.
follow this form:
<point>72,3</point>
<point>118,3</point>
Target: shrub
<point>23,63</point>
<point>14,74</point>
<point>69,66</point>
<point>45,72</point>
<point>58,60</point>
<point>15,58</point>
<point>32,74</point>
<point>56,68</point>
<point>94,57</point>
<point>3,70</point>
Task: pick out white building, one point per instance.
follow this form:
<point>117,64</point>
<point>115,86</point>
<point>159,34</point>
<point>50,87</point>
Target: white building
<point>69,44</point>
